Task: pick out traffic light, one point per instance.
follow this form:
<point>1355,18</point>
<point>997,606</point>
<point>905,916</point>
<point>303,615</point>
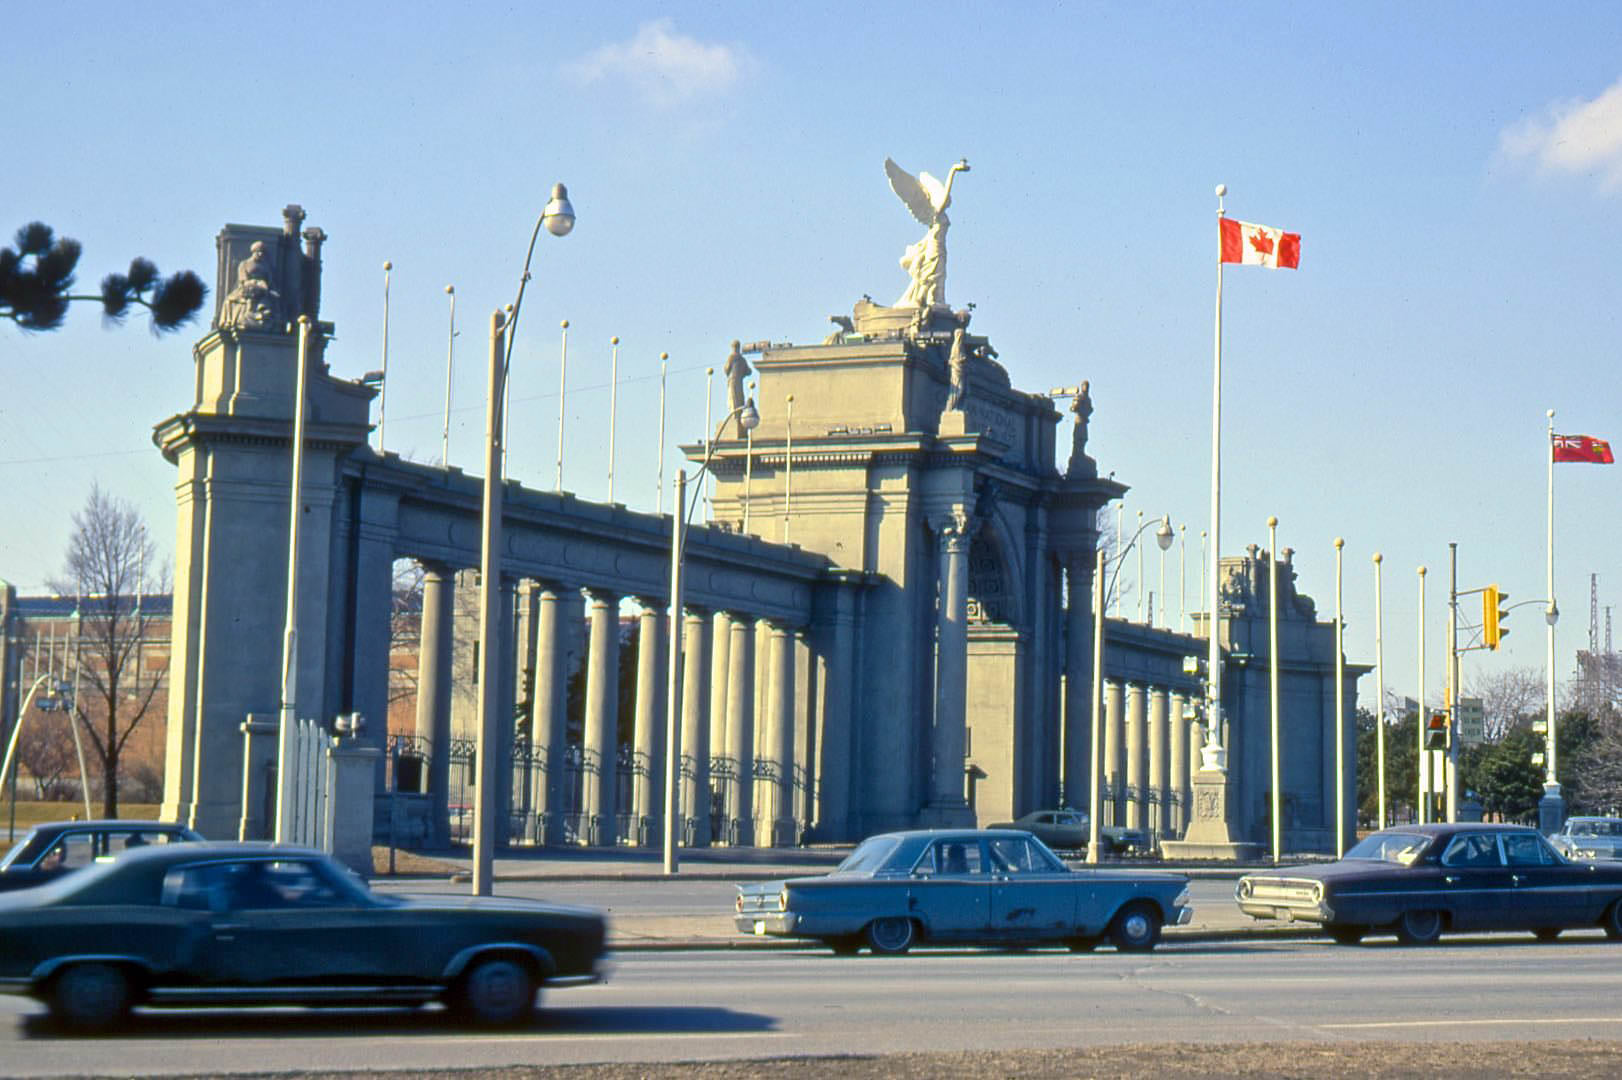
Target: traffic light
<point>1436,732</point>
<point>1493,614</point>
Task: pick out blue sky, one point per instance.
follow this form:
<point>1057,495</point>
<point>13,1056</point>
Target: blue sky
<point>1454,170</point>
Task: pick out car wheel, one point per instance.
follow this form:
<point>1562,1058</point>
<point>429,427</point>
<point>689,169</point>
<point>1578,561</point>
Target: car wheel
<point>1136,928</point>
<point>90,996</point>
<point>1547,933</point>
<point>496,992</point>
<point>891,936</point>
<point>845,946</point>
<point>1347,935</point>
<point>1613,921</point>
<point>1419,927</point>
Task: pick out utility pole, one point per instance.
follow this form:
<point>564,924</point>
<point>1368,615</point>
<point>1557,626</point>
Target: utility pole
<point>1452,780</point>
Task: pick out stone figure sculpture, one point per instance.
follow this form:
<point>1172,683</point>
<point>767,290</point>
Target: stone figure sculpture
<point>957,366</point>
<point>925,261</point>
<point>1081,407</point>
<point>736,371</point>
<point>253,304</point>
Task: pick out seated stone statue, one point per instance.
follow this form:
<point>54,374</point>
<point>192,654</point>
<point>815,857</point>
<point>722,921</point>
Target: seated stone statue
<point>253,304</point>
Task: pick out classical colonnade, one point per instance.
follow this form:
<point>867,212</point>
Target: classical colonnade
<point>750,745</point>
<point>1150,752</point>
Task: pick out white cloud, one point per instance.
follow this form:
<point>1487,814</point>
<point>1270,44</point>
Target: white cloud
<point>664,67</point>
<point>1583,137</point>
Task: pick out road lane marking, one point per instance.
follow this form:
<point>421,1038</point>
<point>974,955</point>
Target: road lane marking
<point>1478,1023</point>
<point>608,1035</point>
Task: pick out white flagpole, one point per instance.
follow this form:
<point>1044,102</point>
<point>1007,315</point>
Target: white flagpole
<point>1551,786</point>
<point>1213,715</point>
<point>1379,687</point>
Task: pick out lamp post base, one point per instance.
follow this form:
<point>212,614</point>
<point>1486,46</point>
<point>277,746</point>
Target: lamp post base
<point>1551,810</point>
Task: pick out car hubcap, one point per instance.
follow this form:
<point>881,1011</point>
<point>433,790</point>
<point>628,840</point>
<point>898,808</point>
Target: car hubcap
<point>1136,927</point>
<point>891,933</point>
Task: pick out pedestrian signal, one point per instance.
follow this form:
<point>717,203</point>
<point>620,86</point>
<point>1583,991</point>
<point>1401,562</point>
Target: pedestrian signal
<point>1436,732</point>
<point>1493,614</point>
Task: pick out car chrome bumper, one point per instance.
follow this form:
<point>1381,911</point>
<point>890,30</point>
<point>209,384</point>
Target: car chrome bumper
<point>768,924</point>
<point>1315,913</point>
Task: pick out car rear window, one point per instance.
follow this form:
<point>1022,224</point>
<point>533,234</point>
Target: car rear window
<point>869,855</point>
<point>1393,847</point>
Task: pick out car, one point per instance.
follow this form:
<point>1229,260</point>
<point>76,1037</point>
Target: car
<point>1421,881</point>
<point>1068,829</point>
<point>49,850</point>
<point>967,887</point>
<point>266,924</point>
<point>1589,838</point>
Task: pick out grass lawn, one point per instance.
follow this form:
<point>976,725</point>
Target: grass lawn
<point>30,814</point>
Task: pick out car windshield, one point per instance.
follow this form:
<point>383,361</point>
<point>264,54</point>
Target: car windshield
<point>17,849</point>
<point>1393,847</point>
<point>1578,828</point>
<point>869,855</point>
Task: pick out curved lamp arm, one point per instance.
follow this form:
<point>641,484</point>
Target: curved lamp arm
<point>558,217</point>
<point>749,418</point>
<point>1163,537</point>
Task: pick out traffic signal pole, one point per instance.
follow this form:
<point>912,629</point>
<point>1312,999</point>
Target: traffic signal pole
<point>1453,682</point>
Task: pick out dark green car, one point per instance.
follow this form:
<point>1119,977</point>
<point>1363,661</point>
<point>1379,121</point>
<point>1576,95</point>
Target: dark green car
<point>259,924</point>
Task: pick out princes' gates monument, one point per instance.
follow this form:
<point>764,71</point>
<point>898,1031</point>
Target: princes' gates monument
<point>888,623</point>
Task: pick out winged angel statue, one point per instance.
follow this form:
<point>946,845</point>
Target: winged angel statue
<point>925,261</point>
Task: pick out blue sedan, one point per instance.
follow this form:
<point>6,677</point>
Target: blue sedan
<point>965,887</point>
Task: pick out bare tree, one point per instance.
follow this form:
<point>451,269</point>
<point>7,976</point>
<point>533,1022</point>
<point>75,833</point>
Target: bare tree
<point>1508,697</point>
<point>405,629</point>
<point>108,556</point>
<point>45,752</point>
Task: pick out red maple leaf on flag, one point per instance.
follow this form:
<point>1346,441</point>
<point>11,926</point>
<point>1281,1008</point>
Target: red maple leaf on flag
<point>1262,243</point>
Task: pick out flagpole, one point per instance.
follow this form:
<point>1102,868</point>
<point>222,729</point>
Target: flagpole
<point>1213,715</point>
<point>1551,786</point>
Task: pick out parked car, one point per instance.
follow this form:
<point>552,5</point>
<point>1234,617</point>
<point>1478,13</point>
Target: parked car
<point>261,924</point>
<point>1588,838</point>
<point>1071,829</point>
<point>1420,881</point>
<point>50,850</point>
<point>981,887</point>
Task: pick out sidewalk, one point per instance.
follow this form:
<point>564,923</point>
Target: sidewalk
<point>674,932</point>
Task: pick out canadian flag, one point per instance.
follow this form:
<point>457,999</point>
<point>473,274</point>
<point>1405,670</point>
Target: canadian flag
<point>1582,448</point>
<point>1259,245</point>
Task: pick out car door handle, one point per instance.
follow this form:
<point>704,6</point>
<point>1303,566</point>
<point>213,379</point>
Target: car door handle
<point>1516,878</point>
<point>1451,880</point>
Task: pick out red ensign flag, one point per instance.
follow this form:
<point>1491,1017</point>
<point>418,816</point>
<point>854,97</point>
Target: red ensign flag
<point>1582,448</point>
<point>1258,245</point>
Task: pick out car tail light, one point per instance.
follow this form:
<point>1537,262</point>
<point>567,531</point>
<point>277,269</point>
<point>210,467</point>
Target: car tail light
<point>782,900</point>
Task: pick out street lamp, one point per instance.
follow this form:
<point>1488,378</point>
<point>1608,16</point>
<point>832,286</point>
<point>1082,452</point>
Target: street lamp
<point>62,687</point>
<point>1163,537</point>
<point>558,217</point>
<point>748,419</point>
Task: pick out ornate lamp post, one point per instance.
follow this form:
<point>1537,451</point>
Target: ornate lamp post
<point>1163,537</point>
<point>558,217</point>
<point>748,419</point>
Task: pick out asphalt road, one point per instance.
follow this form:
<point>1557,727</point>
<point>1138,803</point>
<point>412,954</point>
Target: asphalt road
<point>691,897</point>
<point>717,1005</point>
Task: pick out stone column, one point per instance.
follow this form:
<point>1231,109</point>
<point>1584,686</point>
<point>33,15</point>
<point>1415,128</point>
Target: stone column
<point>720,674</point>
<point>526,796</point>
<point>1177,815</point>
<point>780,703</point>
<point>1078,678</point>
<point>834,750</point>
<point>1137,756</point>
<point>549,719</point>
<point>947,805</point>
<point>651,659</point>
<point>1159,761</point>
<point>695,726</point>
<point>434,680</point>
<point>507,706</point>
<point>600,778</point>
<point>1115,749</point>
<point>741,729</point>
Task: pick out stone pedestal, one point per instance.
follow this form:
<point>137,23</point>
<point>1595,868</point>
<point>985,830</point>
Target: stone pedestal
<point>351,782</point>
<point>1551,810</point>
<point>1210,832</point>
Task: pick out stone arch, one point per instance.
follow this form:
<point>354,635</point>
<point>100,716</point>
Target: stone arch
<point>995,584</point>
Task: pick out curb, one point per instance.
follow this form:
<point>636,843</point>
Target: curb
<point>748,944</point>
